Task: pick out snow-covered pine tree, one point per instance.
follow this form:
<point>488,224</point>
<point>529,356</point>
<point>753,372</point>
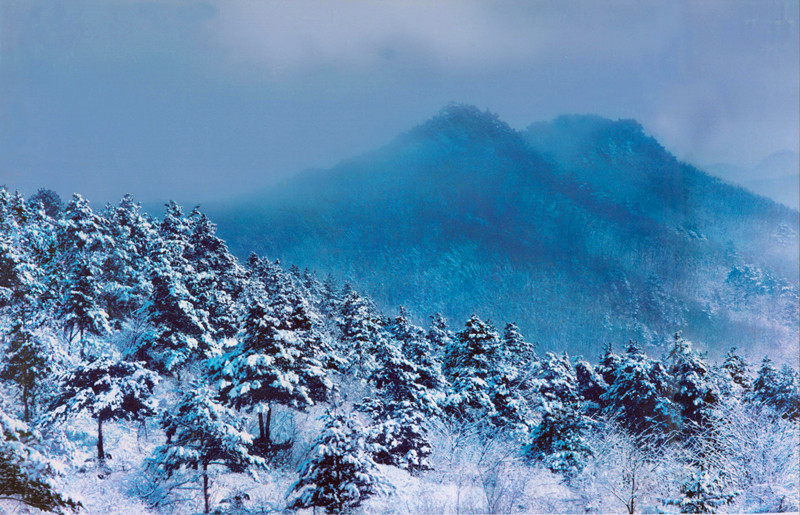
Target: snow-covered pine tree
<point>417,349</point>
<point>591,385</point>
<point>27,363</point>
<point>275,363</point>
<point>400,430</point>
<point>218,280</point>
<point>79,311</point>
<point>609,364</point>
<point>519,352</point>
<point>738,370</point>
<point>693,391</point>
<point>470,361</point>
<point>640,395</point>
<point>108,390</point>
<point>180,331</point>
<point>560,439</point>
<point>203,434</point>
<point>362,333</point>
<point>125,284</point>
<point>50,200</point>
<point>26,474</point>
<point>439,336</point>
<point>702,492</point>
<point>81,231</point>
<point>777,389</point>
<point>340,473</point>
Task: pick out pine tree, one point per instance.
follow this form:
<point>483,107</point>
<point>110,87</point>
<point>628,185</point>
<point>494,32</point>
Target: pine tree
<point>520,353</point>
<point>27,363</point>
<point>559,441</point>
<point>340,474</point>
<point>703,492</point>
<point>218,279</point>
<point>692,389</point>
<point>399,431</point>
<point>26,474</point>
<point>276,363</point>
<point>362,333</point>
<point>180,330</point>
<point>591,385</point>
<point>640,395</point>
<point>400,435</point>
<point>81,230</point>
<point>417,349</point>
<point>202,434</point>
<point>438,335</point>
<point>738,370</point>
<point>125,285</point>
<point>469,362</point>
<point>108,390</point>
<point>777,389</point>
<point>50,200</point>
<point>79,312</point>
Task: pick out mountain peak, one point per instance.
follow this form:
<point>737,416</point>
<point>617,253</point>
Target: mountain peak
<point>464,121</point>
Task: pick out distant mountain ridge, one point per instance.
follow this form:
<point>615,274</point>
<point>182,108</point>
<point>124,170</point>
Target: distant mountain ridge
<point>582,230</point>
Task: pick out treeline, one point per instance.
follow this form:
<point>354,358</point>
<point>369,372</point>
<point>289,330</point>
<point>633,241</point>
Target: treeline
<point>132,321</point>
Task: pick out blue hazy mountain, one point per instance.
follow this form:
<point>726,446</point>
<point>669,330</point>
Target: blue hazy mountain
<point>582,230</point>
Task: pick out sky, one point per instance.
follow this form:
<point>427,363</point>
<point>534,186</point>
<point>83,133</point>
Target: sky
<point>200,101</point>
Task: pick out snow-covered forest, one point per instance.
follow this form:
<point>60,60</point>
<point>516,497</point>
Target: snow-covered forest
<point>146,370</point>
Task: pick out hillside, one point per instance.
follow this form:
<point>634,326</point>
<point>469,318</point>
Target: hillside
<point>144,369</point>
<point>582,230</point>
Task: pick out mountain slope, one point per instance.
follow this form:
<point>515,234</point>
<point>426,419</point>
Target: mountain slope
<point>582,231</point>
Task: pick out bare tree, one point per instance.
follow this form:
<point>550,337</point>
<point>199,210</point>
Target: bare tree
<point>623,470</point>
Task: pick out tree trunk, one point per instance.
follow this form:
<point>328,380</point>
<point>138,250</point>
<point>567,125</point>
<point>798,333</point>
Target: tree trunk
<point>267,423</point>
<point>205,487</point>
<point>100,454</point>
<point>261,435</point>
<point>25,403</point>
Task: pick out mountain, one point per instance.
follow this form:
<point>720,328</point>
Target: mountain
<point>777,176</point>
<point>582,230</point>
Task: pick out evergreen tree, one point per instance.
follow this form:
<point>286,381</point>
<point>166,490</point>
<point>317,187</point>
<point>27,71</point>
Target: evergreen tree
<point>738,370</point>
<point>362,333</point>
<point>559,441</point>
<point>27,363</point>
<point>340,474</point>
<point>81,230</point>
<point>201,434</point>
<point>520,353</point>
<point>399,431</point>
<point>108,390</point>
<point>703,492</point>
<point>400,435</point>
<point>26,474</point>
<point>591,385</point>
<point>180,330</point>
<point>469,362</point>
<point>79,312</point>
<point>417,349</point>
<point>640,395</point>
<point>692,390</point>
<point>125,285</point>
<point>277,362</point>
<point>438,335</point>
<point>777,389</point>
<point>50,201</point>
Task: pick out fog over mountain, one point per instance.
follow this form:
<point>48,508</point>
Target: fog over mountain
<point>583,230</point>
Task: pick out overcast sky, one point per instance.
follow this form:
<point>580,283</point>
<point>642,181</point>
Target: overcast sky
<point>196,101</point>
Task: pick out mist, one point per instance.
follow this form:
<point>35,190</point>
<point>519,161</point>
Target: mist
<point>208,101</point>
